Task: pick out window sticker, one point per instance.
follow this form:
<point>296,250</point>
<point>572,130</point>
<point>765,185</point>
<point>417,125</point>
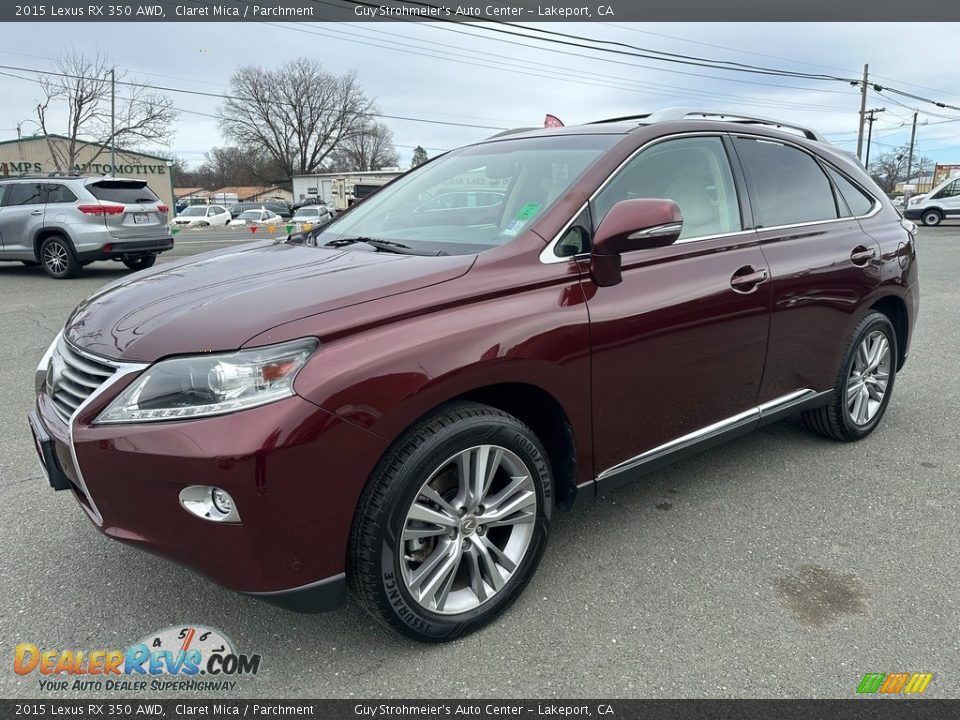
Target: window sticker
<point>528,211</point>
<point>513,228</point>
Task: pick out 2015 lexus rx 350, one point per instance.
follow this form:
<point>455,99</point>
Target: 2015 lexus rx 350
<point>401,400</point>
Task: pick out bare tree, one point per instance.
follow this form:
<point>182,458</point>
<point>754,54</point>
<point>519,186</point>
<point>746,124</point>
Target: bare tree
<point>890,167</point>
<point>370,148</point>
<point>82,85</point>
<point>299,114</point>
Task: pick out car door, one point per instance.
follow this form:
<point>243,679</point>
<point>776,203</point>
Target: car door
<point>678,346</point>
<point>822,265</point>
<point>21,217</point>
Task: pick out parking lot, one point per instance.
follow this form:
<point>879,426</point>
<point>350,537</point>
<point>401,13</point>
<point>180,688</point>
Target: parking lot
<point>779,565</point>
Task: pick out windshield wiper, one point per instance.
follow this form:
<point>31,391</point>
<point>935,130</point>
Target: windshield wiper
<point>384,246</point>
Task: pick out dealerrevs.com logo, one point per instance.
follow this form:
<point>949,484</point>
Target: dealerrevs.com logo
<point>177,659</point>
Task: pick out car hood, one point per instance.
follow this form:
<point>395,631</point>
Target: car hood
<point>219,300</point>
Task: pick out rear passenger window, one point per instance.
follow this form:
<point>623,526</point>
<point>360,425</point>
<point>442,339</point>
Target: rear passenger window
<point>60,194</point>
<point>857,202</point>
<point>786,185</point>
<point>22,194</point>
<point>123,191</point>
<point>693,172</point>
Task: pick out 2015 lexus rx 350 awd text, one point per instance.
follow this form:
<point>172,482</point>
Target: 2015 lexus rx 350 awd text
<point>400,401</point>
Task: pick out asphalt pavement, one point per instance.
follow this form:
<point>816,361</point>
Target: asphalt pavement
<point>779,565</point>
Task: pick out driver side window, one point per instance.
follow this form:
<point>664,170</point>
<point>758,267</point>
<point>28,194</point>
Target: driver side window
<point>693,172</point>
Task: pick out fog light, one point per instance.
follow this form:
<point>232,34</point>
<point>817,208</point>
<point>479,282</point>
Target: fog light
<point>209,503</point>
<point>222,501</point>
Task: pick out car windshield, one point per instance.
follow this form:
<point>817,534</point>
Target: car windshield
<point>250,215</point>
<point>308,213</point>
<point>474,198</point>
<point>194,211</point>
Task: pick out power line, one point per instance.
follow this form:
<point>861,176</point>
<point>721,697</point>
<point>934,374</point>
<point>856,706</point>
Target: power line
<point>222,96</point>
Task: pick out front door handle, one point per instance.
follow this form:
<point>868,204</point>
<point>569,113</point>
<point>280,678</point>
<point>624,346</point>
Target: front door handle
<point>746,279</point>
<point>37,212</point>
<point>861,255</point>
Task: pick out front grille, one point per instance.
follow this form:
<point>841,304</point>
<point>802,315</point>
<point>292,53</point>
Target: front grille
<point>75,376</point>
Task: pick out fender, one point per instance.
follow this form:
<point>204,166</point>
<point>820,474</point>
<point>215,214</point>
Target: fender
<point>383,365</point>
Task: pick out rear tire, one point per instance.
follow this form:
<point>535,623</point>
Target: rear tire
<point>58,259</point>
<point>439,549</point>
<point>932,218</point>
<point>864,385</point>
<point>140,262</point>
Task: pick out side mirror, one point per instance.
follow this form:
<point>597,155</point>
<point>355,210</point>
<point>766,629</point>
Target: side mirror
<point>632,225</point>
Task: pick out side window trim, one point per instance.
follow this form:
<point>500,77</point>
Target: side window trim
<point>874,203</point>
<point>824,166</point>
<point>725,155</point>
<point>548,256</point>
<point>747,221</point>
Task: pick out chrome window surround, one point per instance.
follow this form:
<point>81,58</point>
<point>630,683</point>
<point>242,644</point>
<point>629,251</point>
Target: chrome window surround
<point>121,370</point>
<point>548,254</point>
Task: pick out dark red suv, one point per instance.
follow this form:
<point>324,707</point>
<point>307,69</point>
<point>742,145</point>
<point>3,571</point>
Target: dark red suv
<point>401,400</point>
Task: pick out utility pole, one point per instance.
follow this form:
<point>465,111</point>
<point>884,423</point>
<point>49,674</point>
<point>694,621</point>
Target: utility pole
<point>872,113</point>
<point>913,136</point>
<point>113,121</point>
<point>863,110</point>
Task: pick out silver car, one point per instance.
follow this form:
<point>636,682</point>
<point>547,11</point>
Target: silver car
<point>65,222</point>
<point>313,214</point>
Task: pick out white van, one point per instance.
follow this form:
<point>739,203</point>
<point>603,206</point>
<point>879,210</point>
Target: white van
<point>940,203</point>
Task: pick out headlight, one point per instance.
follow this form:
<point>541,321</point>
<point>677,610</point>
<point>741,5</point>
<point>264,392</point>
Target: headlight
<point>215,384</point>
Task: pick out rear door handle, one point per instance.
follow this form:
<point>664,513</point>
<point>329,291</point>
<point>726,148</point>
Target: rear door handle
<point>861,255</point>
<point>747,278</point>
<point>37,212</point>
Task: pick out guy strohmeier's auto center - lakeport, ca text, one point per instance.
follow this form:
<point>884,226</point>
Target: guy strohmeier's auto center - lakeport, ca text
<point>150,11</point>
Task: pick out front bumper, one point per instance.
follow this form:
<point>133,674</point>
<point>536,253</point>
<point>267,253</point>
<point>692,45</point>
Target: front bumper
<point>912,213</point>
<point>295,473</point>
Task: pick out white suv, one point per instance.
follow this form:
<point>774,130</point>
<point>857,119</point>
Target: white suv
<point>65,222</point>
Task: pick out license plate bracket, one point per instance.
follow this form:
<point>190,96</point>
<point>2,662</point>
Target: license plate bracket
<point>141,218</point>
<point>48,456</point>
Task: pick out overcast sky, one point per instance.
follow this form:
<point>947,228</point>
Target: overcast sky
<point>443,73</point>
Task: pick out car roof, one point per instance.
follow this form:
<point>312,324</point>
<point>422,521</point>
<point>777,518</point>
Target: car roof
<point>671,120</point>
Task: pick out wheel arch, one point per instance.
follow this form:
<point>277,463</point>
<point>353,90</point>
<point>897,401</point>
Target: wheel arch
<point>544,414</point>
<point>895,309</point>
<point>45,233</point>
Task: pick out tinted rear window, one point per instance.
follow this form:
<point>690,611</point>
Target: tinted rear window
<point>787,186</point>
<point>123,191</point>
<point>856,202</point>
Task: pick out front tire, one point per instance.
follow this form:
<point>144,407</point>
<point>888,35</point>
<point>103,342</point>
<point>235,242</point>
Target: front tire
<point>865,383</point>
<point>140,262</point>
<point>452,524</point>
<point>57,258</point>
<point>932,218</point>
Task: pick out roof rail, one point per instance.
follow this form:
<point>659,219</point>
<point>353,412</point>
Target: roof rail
<point>683,113</point>
<point>511,131</point>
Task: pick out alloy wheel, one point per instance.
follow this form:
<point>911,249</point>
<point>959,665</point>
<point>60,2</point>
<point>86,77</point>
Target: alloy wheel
<point>869,376</point>
<point>55,258</point>
<point>468,529</point>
